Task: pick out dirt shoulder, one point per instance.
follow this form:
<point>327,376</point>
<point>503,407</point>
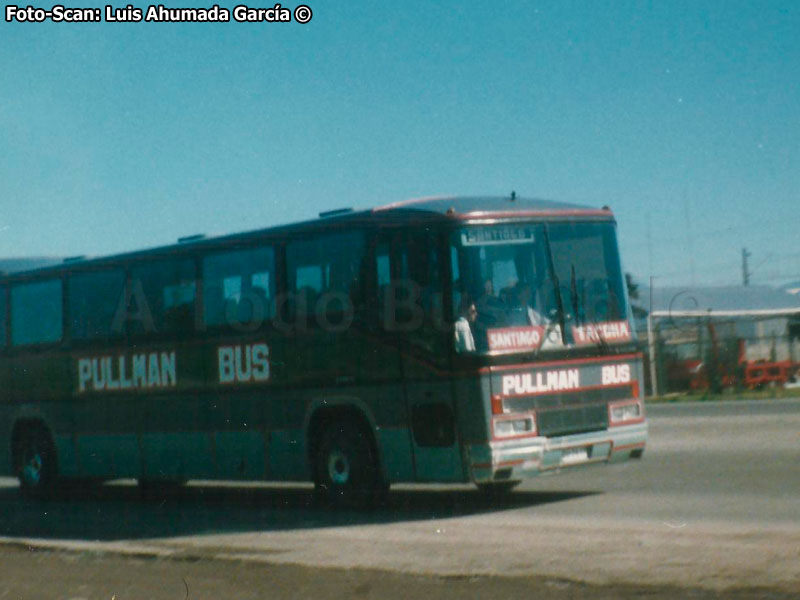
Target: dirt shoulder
<point>43,573</point>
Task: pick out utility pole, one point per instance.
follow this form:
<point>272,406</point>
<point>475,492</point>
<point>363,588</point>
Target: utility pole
<point>651,344</point>
<point>649,246</point>
<point>745,272</point>
<point>689,236</point>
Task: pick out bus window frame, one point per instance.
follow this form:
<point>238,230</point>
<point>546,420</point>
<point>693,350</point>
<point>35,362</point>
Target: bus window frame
<point>168,335</point>
<point>5,317</point>
<point>304,323</point>
<point>396,235</point>
<point>224,329</point>
<point>62,341</point>
<point>113,339</point>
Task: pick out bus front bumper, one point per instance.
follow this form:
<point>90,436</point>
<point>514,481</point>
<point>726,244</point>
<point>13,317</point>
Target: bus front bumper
<point>514,460</point>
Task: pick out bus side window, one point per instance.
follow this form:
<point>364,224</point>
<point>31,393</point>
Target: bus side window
<point>459,290</point>
<point>383,279</point>
<point>36,312</point>
<point>239,288</point>
<point>326,277</point>
<point>419,291</point>
<point>168,288</point>
<point>94,299</point>
<point>3,317</point>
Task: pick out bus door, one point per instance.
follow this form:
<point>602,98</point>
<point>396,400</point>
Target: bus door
<point>417,320</point>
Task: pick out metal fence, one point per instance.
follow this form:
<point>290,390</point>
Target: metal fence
<point>710,354</point>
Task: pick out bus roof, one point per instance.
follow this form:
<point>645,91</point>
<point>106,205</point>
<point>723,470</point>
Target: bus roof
<point>491,206</point>
<point>430,209</point>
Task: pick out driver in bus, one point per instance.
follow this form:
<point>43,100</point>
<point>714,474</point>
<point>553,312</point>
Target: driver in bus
<point>465,342</point>
<point>524,295</point>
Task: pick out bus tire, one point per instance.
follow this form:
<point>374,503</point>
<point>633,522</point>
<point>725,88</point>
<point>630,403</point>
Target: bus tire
<point>497,488</point>
<point>346,468</point>
<point>35,462</point>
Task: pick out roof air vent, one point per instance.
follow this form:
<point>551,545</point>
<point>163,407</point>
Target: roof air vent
<point>191,238</point>
<point>335,212</point>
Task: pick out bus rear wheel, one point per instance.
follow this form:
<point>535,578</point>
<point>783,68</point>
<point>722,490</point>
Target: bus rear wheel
<point>36,465</point>
<point>346,468</point>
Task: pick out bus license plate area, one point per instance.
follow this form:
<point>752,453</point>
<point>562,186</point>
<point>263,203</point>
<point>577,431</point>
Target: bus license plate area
<point>570,456</point>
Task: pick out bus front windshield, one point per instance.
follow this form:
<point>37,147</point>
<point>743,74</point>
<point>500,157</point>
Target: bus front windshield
<point>531,287</point>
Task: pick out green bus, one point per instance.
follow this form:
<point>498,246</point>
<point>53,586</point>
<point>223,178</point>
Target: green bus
<point>474,339</point>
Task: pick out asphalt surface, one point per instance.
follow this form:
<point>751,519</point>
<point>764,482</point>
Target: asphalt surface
<point>712,509</point>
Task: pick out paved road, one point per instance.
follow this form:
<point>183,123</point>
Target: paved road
<point>714,504</point>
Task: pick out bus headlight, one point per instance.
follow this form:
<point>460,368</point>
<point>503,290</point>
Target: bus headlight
<point>504,428</point>
<point>621,413</point>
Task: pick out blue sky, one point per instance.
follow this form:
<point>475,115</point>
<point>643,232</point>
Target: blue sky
<point>684,117</point>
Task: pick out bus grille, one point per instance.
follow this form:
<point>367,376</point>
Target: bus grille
<point>579,419</point>
<point>570,399</point>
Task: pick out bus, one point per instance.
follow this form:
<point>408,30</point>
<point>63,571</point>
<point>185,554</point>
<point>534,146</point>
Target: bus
<point>454,339</point>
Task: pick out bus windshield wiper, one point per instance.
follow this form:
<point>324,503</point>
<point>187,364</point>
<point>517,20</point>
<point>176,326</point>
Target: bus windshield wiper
<point>559,300</point>
<point>548,329</point>
<point>573,290</point>
<point>601,341</point>
<point>579,312</point>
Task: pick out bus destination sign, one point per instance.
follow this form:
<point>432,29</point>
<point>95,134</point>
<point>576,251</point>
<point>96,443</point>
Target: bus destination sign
<point>487,236</point>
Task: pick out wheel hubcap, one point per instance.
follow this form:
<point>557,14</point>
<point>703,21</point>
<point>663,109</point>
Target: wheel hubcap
<point>338,468</point>
<point>32,471</point>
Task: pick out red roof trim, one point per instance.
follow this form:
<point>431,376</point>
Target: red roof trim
<point>533,213</point>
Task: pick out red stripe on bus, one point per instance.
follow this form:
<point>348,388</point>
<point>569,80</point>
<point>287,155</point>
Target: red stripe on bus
<point>628,447</point>
<point>569,361</point>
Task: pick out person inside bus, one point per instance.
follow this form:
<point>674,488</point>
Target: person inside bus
<point>489,306</point>
<point>523,297</point>
<point>487,299</point>
<point>465,342</point>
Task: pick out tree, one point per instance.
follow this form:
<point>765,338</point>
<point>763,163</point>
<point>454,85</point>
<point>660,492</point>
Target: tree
<point>633,287</point>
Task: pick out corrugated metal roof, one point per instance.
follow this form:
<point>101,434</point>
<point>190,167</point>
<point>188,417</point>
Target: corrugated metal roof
<point>724,301</point>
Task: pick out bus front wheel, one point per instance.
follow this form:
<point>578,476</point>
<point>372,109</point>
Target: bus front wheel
<point>346,467</point>
<point>36,463</point>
